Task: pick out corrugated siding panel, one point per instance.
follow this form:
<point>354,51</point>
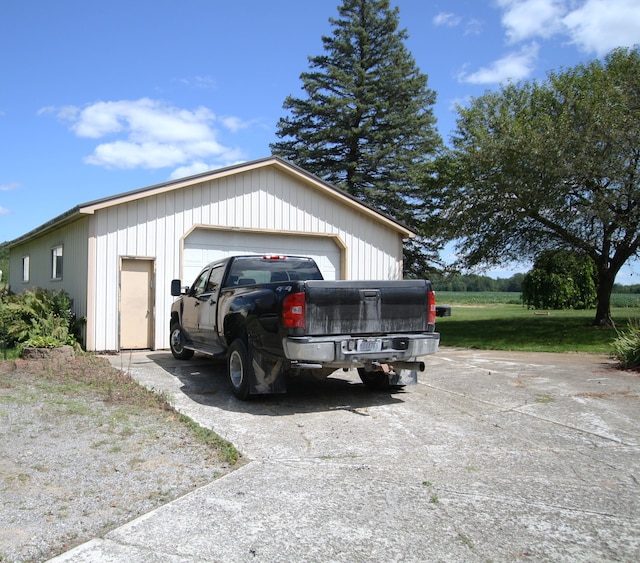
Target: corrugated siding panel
<point>265,199</point>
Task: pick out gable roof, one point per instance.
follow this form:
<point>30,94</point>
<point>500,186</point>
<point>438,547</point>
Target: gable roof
<point>277,162</point>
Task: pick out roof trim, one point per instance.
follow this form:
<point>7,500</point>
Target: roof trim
<point>59,221</point>
<point>89,208</point>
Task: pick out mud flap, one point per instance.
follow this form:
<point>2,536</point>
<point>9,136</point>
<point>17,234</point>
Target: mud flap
<point>268,375</point>
<point>400,377</point>
<point>405,377</point>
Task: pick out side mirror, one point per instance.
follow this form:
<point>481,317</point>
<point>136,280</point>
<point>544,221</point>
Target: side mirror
<point>176,289</point>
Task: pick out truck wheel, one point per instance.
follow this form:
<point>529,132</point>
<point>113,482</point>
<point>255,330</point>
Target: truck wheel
<point>374,379</point>
<point>176,341</point>
<point>239,369</point>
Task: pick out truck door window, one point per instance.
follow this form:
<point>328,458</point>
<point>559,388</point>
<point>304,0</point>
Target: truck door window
<point>200,284</point>
<point>215,278</point>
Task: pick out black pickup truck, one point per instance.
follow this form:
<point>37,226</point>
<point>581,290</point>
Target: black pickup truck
<point>275,316</point>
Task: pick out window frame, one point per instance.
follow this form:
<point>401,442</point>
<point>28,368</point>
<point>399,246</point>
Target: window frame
<point>26,268</point>
<point>57,254</point>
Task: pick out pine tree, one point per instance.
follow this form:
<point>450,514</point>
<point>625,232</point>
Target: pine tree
<point>367,124</point>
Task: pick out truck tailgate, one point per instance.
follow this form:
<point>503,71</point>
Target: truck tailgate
<point>366,307</point>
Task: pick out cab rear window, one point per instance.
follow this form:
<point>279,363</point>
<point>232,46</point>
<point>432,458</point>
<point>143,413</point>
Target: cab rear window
<point>250,271</point>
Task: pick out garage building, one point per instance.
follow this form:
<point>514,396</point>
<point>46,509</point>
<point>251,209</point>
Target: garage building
<point>117,256</point>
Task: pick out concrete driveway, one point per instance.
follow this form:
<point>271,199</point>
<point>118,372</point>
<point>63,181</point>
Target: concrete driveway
<point>491,456</point>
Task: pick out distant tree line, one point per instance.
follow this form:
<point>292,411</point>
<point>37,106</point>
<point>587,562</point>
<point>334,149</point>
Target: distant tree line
<point>475,282</point>
<point>633,289</point>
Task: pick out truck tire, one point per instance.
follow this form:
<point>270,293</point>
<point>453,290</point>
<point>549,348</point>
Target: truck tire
<point>239,369</point>
<point>176,341</point>
<point>374,379</point>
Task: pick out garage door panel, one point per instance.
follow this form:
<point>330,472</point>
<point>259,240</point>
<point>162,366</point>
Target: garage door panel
<point>204,246</point>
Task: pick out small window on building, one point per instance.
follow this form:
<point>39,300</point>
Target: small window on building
<point>25,269</point>
<point>56,263</point>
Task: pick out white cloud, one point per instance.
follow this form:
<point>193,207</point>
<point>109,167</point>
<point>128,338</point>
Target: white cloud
<point>473,27</point>
<point>199,167</point>
<point>199,82</point>
<point>602,25</point>
<point>514,66</point>
<point>9,186</point>
<point>446,19</point>
<point>524,19</point>
<point>594,26</point>
<point>191,170</point>
<point>235,124</point>
<point>143,119</point>
<point>149,133</point>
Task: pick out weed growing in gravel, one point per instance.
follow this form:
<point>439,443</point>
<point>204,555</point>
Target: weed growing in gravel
<point>544,399</point>
<point>211,439</point>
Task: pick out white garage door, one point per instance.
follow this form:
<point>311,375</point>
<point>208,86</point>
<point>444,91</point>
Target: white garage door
<point>204,246</point>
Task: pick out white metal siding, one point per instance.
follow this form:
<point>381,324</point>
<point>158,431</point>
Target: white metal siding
<point>73,238</point>
<point>265,198</point>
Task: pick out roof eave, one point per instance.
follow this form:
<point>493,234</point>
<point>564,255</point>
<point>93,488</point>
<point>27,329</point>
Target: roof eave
<point>59,221</point>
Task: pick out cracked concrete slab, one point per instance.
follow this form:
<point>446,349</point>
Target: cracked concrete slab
<point>491,456</point>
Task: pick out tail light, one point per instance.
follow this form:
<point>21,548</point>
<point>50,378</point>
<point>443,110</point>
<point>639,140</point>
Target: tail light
<point>293,310</point>
<point>431,307</point>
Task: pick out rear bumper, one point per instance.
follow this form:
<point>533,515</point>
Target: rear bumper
<point>348,351</point>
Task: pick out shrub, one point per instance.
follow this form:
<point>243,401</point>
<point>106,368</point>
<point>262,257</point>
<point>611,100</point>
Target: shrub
<point>39,318</point>
<point>626,347</point>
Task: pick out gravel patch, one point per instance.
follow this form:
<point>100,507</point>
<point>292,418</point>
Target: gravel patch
<point>81,454</point>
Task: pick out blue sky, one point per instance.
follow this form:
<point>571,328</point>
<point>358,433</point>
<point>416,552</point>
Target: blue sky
<point>101,97</point>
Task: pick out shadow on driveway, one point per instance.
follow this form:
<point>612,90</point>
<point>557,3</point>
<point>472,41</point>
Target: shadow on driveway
<point>204,381</point>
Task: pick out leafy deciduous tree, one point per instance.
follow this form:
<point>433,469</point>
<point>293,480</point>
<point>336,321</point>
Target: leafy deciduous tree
<point>560,280</point>
<point>366,124</point>
<point>551,165</point>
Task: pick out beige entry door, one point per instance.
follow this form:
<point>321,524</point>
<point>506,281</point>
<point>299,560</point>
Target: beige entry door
<point>136,304</point>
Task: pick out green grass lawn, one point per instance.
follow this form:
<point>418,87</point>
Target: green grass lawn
<point>478,323</point>
<point>514,298</point>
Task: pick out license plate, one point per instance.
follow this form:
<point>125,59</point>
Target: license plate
<point>370,345</point>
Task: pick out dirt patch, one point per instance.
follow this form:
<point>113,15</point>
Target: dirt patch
<point>83,449</point>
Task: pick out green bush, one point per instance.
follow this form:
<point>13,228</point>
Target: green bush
<point>38,318</point>
<point>626,347</point>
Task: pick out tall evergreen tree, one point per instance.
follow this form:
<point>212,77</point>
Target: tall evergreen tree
<point>366,124</point>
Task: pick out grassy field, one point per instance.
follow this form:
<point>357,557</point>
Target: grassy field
<point>496,321</point>
<point>622,300</point>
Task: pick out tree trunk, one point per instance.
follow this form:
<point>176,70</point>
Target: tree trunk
<point>606,280</point>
